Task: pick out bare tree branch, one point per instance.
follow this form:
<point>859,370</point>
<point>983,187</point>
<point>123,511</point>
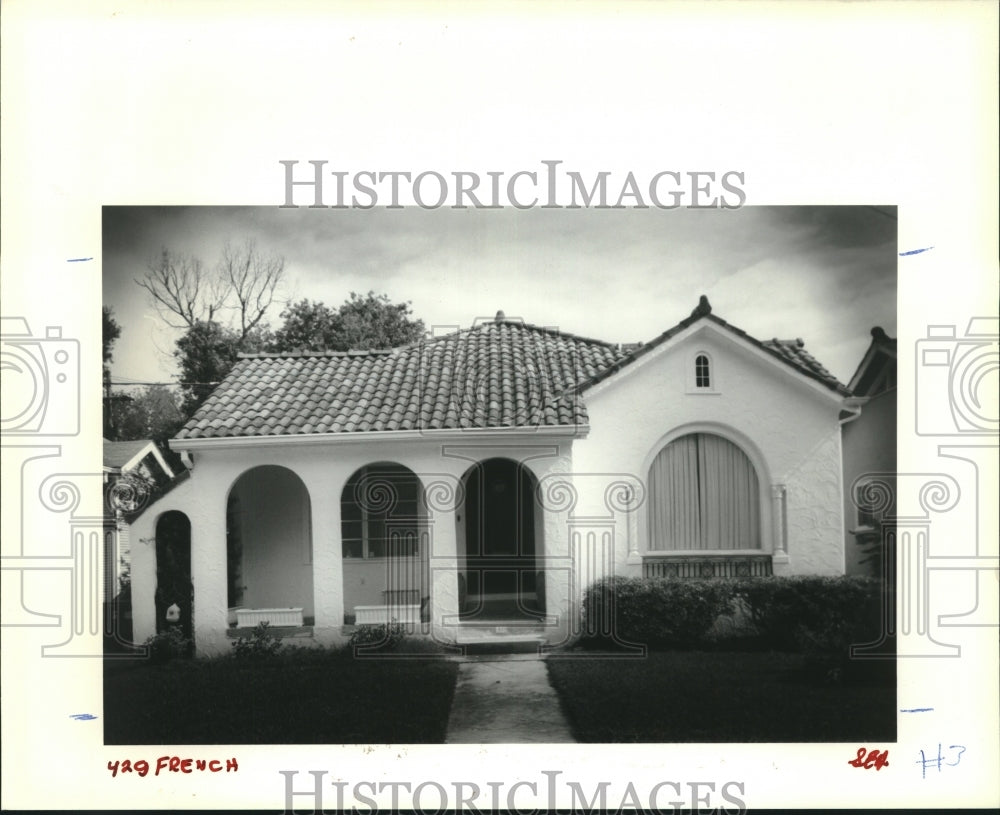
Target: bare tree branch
<point>179,290</point>
<point>251,278</point>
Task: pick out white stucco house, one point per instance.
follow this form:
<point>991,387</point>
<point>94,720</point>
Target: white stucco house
<point>486,477</point>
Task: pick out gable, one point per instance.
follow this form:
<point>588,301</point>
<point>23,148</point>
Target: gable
<point>714,340</point>
<point>135,455</point>
<point>877,370</point>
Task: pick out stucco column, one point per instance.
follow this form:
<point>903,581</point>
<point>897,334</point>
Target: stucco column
<point>209,570</point>
<point>443,563</point>
<point>779,558</point>
<point>327,567</point>
<point>143,573</point>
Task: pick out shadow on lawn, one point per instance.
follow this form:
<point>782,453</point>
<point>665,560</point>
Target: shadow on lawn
<point>725,696</point>
<point>304,697</point>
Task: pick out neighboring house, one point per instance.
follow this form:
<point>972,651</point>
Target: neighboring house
<point>490,475</point>
<point>124,461</point>
<point>870,453</point>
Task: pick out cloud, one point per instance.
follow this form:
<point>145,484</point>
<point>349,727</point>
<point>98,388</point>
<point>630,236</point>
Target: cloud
<point>824,273</point>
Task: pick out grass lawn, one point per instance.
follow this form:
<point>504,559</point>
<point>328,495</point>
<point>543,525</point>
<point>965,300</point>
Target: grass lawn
<point>686,696</point>
<point>329,698</point>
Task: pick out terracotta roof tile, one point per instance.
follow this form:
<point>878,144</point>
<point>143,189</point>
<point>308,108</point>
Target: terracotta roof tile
<point>502,373</point>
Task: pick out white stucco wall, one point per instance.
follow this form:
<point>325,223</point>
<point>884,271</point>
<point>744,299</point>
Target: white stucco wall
<point>324,467</point>
<point>789,430</point>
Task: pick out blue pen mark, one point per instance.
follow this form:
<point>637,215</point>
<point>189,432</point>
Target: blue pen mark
<point>915,709</point>
<point>78,260</point>
<point>916,251</point>
<point>82,717</point>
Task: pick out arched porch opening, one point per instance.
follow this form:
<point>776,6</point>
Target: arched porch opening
<point>385,543</point>
<point>173,571</point>
<point>499,540</point>
<point>269,572</point>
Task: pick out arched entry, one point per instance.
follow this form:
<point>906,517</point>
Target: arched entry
<point>173,570</point>
<point>385,546</point>
<point>500,576</point>
<point>269,542</point>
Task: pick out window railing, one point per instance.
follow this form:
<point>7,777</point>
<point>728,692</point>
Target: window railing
<point>686,566</point>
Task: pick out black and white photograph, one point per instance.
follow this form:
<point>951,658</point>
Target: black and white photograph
<point>499,406</point>
<point>442,488</point>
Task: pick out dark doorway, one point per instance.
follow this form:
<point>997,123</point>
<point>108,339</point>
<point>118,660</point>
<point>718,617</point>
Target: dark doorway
<point>173,571</point>
<point>501,579</point>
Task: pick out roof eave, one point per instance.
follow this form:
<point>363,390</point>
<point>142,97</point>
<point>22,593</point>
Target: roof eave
<point>578,431</point>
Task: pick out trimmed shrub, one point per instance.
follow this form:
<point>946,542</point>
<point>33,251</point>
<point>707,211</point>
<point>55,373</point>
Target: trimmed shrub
<point>386,635</point>
<point>261,645</point>
<point>168,644</point>
<point>812,614</point>
<point>655,611</point>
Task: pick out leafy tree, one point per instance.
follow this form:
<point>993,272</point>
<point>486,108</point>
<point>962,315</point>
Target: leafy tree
<point>363,322</point>
<point>308,326</point>
<point>373,322</point>
<point>110,332</point>
<point>207,352</point>
<point>153,413</point>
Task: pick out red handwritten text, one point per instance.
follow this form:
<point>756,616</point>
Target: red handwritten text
<point>172,764</point>
<point>875,759</point>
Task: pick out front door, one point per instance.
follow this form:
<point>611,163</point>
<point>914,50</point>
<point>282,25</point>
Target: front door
<point>500,573</point>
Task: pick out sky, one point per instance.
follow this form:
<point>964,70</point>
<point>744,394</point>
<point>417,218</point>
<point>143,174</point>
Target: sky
<point>823,274</point>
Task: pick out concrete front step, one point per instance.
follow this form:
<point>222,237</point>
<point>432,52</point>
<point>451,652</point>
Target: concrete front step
<point>499,632</point>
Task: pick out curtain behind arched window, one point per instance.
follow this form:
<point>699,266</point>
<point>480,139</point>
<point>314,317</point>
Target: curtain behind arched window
<point>703,495</point>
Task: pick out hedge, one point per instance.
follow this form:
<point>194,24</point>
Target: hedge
<point>810,614</point>
<point>655,611</point>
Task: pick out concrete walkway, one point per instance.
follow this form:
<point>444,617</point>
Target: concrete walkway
<point>505,700</point>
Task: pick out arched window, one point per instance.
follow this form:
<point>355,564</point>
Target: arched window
<point>379,511</point>
<point>703,495</point>
<point>702,373</point>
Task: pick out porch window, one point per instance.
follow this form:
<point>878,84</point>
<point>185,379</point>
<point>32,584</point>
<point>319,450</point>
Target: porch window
<point>379,513</point>
<point>704,495</point>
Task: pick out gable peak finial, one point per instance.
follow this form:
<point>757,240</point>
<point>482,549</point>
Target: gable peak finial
<point>500,317</point>
<point>703,309</point>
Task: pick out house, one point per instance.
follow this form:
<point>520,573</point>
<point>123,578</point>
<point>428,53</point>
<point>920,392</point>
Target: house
<point>131,469</point>
<point>484,478</point>
<point>870,454</point>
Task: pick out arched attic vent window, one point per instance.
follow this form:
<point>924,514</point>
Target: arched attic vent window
<point>702,372</point>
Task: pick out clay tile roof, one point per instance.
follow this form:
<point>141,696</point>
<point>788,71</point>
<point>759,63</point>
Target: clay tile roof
<point>499,373</point>
<point>794,351</point>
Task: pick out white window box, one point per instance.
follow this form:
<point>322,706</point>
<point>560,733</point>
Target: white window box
<point>251,617</point>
